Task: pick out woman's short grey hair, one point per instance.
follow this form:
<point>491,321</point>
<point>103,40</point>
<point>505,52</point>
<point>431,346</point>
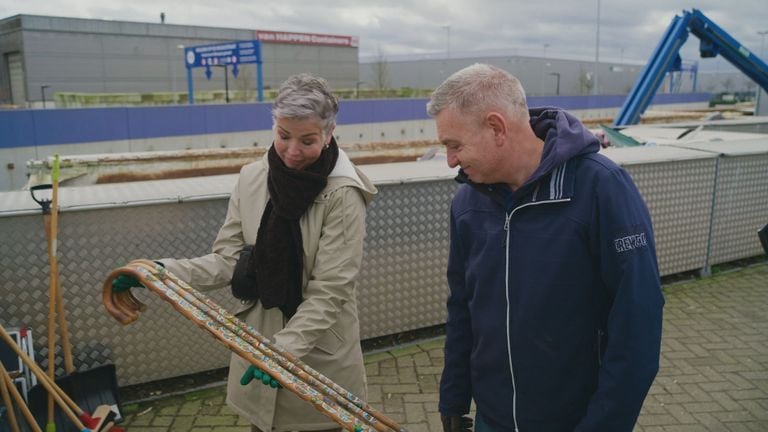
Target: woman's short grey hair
<point>478,89</point>
<point>306,96</point>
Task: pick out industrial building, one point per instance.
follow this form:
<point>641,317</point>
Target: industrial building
<point>41,55</point>
<point>547,75</point>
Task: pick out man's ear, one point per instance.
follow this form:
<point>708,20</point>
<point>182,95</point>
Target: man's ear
<point>498,125</point>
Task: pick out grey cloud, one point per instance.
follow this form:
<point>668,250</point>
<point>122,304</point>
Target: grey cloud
<point>629,30</point>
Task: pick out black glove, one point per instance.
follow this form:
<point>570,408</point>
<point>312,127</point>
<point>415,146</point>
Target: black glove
<point>455,423</point>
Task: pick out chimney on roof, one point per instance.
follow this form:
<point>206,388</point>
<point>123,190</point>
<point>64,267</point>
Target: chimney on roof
<point>162,17</point>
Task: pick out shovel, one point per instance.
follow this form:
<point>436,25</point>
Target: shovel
<point>89,389</point>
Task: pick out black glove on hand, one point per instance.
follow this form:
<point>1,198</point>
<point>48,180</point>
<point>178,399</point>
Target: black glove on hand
<point>456,423</point>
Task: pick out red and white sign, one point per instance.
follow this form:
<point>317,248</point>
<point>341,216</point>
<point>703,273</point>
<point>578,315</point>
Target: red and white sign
<point>306,38</point>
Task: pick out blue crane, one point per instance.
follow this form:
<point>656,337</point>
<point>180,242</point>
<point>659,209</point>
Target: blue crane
<point>666,57</point>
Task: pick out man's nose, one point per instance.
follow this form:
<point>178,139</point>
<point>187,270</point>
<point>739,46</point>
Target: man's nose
<point>453,161</point>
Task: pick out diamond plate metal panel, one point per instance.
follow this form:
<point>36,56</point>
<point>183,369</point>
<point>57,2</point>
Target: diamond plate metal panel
<point>741,207</point>
<point>679,197</point>
<point>162,343</point>
<point>402,282</point>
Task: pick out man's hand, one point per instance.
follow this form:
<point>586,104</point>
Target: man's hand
<point>254,372</point>
<point>456,423</point>
<point>124,282</point>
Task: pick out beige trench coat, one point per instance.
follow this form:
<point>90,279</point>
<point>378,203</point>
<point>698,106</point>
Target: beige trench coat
<point>324,332</point>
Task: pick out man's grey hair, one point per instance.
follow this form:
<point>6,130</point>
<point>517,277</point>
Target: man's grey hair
<point>305,96</point>
<point>478,89</point>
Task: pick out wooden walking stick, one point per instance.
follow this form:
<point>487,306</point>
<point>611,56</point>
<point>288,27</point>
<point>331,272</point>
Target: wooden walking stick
<point>5,383</point>
<point>313,378</point>
<point>239,338</point>
<point>55,299</point>
<point>19,399</point>
<point>89,386</point>
<point>51,221</point>
<point>66,347</point>
<point>283,357</point>
<point>230,340</point>
<point>76,415</point>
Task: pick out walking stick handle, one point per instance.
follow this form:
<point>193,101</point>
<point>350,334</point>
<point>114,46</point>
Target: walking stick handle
<point>238,337</point>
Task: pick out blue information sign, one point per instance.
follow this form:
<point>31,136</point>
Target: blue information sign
<point>228,54</point>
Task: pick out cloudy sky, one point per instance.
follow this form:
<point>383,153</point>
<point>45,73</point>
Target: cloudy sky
<point>629,29</point>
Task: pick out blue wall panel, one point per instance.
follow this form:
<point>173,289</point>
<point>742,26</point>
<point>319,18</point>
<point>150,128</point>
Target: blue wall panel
<point>23,128</point>
<point>158,122</point>
<point>381,110</point>
<point>80,125</point>
<point>238,118</point>
<point>17,129</point>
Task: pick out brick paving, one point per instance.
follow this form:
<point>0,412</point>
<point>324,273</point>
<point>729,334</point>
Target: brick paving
<point>713,377</point>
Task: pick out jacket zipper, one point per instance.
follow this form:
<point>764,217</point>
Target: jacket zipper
<point>599,347</point>
<point>509,342</point>
<point>508,217</point>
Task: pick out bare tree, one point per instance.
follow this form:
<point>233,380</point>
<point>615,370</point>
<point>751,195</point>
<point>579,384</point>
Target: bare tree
<point>585,82</point>
<point>728,84</point>
<point>245,85</point>
<point>380,71</point>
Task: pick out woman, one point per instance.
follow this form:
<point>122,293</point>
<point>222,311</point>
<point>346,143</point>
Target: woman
<point>302,208</point>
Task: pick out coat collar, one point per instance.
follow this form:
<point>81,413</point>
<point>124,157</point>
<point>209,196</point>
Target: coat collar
<point>558,185</point>
<point>345,173</point>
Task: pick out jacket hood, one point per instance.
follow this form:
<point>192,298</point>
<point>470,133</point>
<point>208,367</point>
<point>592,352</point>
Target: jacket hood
<point>564,136</point>
<point>346,169</point>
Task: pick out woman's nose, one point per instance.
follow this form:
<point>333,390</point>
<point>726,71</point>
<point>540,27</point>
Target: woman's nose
<point>293,148</point>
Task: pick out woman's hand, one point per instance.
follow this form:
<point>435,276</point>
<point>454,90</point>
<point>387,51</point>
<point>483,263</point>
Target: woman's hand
<point>123,283</point>
<point>254,372</point>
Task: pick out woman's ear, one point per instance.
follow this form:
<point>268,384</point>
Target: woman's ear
<point>329,135</point>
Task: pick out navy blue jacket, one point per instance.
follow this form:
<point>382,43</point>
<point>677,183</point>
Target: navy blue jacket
<point>555,306</point>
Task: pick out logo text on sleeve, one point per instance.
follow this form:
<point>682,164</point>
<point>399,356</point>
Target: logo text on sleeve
<point>628,243</point>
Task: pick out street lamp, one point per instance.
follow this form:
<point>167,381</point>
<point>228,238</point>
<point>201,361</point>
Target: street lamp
<point>557,87</point>
<point>597,50</point>
<point>226,81</point>
<point>447,41</point>
<point>173,73</point>
<point>762,42</point>
<point>760,91</point>
<point>42,92</point>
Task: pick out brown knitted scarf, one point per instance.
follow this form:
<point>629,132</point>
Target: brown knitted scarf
<point>277,262</point>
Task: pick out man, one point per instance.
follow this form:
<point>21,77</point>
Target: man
<point>555,306</point>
